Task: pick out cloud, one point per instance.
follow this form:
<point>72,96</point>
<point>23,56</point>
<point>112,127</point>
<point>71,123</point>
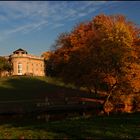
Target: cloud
<point>44,9</point>
<point>19,9</point>
<point>57,25</point>
<point>28,16</point>
<point>26,28</point>
<point>73,10</point>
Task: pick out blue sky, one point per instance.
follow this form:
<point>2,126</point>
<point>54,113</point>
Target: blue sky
<point>35,25</point>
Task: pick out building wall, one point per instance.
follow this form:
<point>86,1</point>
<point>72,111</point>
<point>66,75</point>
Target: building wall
<point>31,65</point>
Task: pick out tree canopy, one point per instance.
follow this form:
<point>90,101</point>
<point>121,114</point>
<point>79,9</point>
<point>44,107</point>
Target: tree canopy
<point>5,65</point>
<point>102,54</point>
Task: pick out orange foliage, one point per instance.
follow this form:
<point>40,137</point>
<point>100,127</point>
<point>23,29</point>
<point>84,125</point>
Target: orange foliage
<point>46,55</point>
<point>104,50</point>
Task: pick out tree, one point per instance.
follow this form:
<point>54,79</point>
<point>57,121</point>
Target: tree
<point>5,65</point>
<point>102,54</point>
<point>46,56</point>
<point>116,38</point>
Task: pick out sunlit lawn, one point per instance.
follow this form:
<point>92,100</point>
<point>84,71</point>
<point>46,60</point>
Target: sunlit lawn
<point>108,127</point>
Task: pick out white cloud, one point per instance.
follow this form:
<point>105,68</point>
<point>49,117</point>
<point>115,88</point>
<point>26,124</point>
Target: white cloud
<point>27,16</point>
<point>21,9</point>
<point>57,25</point>
<point>26,28</point>
<point>42,9</point>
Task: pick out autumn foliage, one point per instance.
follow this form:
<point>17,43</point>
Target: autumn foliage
<point>102,55</point>
<point>5,65</point>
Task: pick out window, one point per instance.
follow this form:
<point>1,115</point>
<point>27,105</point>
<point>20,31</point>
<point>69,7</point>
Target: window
<point>19,68</point>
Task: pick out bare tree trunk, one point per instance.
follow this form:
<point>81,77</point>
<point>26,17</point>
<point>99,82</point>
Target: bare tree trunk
<point>95,90</point>
<point>109,95</point>
<point>89,90</point>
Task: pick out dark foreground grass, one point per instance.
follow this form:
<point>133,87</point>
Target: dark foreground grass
<point>23,94</point>
<point>25,89</point>
<point>98,127</point>
<point>22,88</point>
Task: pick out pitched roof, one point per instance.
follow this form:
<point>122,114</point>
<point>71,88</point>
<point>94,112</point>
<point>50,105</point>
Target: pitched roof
<point>20,50</point>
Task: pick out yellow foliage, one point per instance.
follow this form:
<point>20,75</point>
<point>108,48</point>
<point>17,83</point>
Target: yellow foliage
<point>102,50</point>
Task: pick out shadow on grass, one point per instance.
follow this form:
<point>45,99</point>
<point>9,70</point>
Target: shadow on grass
<point>23,94</point>
<point>30,88</point>
<point>114,126</point>
<point>19,88</point>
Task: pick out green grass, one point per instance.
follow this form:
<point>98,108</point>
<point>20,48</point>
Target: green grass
<point>37,88</point>
<point>22,88</point>
<point>25,88</point>
<point>16,88</point>
<point>116,126</point>
<point>22,94</point>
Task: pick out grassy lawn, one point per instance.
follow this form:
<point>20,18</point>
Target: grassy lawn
<point>107,127</point>
<point>23,94</point>
<point>20,88</point>
<point>31,89</point>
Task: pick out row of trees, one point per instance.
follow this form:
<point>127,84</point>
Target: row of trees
<point>101,55</point>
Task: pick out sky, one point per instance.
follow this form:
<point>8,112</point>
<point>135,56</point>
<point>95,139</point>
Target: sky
<point>35,25</point>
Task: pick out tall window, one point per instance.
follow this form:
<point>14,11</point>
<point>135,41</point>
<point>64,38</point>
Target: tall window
<point>19,68</point>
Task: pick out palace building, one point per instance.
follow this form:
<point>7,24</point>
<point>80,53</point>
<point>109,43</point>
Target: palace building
<point>26,64</point>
